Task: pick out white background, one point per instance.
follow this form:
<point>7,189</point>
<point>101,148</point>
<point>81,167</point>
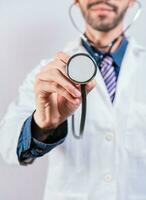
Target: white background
<point>31,30</point>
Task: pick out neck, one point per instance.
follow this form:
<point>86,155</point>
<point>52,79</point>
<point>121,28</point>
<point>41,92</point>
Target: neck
<point>101,40</point>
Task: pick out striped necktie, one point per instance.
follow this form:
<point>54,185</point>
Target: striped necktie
<point>109,76</point>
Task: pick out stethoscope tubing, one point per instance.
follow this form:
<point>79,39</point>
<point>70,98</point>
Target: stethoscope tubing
<point>83,114</point>
<point>83,84</point>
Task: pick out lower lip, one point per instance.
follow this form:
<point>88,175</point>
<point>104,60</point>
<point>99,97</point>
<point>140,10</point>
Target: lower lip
<point>101,10</point>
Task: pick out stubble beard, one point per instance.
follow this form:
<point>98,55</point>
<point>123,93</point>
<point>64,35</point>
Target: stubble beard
<point>101,23</point>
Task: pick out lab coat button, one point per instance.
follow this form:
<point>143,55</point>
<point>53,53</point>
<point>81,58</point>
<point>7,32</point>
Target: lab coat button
<point>108,178</point>
<point>109,137</point>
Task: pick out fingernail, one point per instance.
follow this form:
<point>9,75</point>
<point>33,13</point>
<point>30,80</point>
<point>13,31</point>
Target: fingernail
<point>77,93</point>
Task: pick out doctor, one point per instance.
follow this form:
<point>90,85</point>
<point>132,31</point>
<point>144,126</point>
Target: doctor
<point>109,163</point>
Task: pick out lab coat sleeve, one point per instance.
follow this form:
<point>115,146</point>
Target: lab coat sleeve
<point>18,111</point>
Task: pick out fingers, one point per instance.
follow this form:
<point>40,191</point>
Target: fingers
<point>56,64</point>
<point>60,61</point>
<point>56,77</point>
<point>60,58</point>
<point>48,87</point>
<point>64,58</point>
<point>53,79</point>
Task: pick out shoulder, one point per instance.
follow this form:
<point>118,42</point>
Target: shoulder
<point>137,48</point>
<point>72,46</point>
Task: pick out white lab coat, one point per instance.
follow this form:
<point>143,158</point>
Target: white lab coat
<point>109,163</point>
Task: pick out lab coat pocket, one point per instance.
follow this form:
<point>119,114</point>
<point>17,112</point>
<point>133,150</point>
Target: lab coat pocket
<point>135,143</point>
<point>135,137</point>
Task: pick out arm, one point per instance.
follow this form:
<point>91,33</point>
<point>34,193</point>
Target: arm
<point>54,98</point>
<point>47,127</point>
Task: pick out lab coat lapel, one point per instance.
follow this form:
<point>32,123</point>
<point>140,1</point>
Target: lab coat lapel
<point>124,83</point>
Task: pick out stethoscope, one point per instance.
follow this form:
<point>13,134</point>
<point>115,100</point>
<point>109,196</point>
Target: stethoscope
<point>82,68</point>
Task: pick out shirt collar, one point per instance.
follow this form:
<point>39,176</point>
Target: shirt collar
<point>118,54</point>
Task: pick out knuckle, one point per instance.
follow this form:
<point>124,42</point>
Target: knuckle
<point>70,88</point>
<point>40,98</point>
<point>54,85</point>
<point>62,56</point>
<point>67,86</point>
<point>60,53</point>
<point>65,93</point>
<point>54,72</point>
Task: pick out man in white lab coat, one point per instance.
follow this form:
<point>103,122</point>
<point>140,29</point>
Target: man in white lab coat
<point>109,162</point>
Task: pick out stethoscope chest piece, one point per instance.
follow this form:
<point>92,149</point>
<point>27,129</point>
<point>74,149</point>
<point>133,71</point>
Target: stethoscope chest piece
<point>81,69</point>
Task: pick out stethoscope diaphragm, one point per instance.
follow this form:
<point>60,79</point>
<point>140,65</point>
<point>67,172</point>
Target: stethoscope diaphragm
<point>81,68</point>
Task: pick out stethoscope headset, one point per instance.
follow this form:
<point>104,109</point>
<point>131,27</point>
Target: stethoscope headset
<point>82,68</point>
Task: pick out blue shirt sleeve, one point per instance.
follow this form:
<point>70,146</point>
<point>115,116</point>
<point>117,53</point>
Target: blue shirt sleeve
<point>29,148</point>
